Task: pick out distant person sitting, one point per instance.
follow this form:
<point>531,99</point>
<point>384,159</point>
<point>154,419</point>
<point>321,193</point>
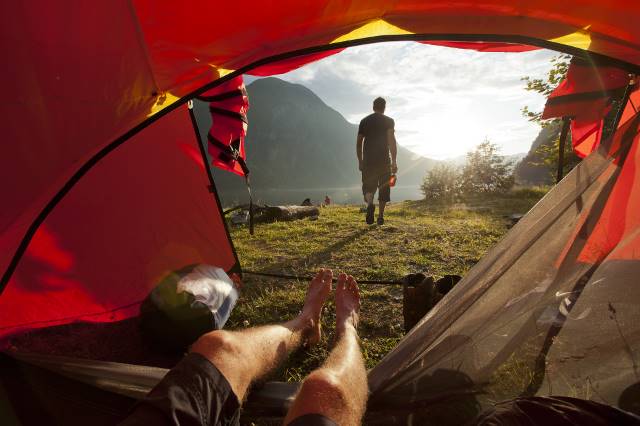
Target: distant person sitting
<point>327,200</point>
<point>375,141</point>
<point>208,386</point>
<point>306,202</point>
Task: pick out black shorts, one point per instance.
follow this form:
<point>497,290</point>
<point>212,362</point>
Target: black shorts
<point>377,178</point>
<point>195,392</point>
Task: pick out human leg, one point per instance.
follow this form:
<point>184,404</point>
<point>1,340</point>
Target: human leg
<point>381,206</point>
<point>338,389</point>
<point>369,186</point>
<point>371,208</point>
<point>384,195</point>
<point>246,355</point>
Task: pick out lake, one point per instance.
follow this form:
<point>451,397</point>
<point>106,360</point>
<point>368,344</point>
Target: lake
<point>275,196</point>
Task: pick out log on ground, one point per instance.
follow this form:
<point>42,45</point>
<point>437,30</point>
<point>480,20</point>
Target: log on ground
<point>283,213</point>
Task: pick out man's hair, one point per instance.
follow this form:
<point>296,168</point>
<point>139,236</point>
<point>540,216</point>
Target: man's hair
<point>379,104</point>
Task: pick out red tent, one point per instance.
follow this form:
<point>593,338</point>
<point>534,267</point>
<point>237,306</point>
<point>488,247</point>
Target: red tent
<point>103,181</point>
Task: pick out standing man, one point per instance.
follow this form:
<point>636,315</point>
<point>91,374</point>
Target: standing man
<point>376,140</point>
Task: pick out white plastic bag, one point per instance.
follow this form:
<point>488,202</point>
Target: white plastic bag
<point>211,286</point>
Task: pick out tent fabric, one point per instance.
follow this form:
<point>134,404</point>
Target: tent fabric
<point>140,214</point>
<point>481,46</point>
<point>285,66</point>
<point>586,134</point>
<point>272,399</point>
<point>228,104</point>
<point>73,83</point>
<point>633,105</point>
<point>552,309</point>
<point>586,90</point>
<point>105,190</point>
<point>586,95</point>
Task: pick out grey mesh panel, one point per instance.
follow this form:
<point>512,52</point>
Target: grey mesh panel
<point>530,318</point>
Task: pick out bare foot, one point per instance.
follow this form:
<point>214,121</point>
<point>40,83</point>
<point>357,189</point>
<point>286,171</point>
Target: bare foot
<point>347,304</point>
<point>317,293</point>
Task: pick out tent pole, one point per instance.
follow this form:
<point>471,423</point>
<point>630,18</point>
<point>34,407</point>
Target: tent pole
<point>561,142</point>
<point>212,186</point>
<point>623,102</point>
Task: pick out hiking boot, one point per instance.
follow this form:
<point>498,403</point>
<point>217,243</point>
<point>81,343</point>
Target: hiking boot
<point>380,220</point>
<point>370,212</point>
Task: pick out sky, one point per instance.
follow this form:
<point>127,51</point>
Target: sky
<point>444,101</point>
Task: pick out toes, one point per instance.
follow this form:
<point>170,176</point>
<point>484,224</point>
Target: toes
<point>319,275</point>
<point>342,278</point>
<point>351,282</point>
<point>327,278</point>
<point>353,285</point>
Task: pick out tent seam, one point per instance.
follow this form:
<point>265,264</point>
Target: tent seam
<point>143,45</point>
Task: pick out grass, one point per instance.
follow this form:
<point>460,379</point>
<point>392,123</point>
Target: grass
<point>417,237</point>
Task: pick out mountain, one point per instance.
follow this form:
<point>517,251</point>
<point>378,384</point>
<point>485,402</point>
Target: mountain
<point>298,147</point>
<point>529,173</point>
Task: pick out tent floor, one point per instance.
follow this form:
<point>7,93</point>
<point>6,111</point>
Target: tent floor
<point>120,341</point>
<point>30,394</point>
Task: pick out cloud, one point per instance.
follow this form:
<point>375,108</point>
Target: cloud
<point>444,101</point>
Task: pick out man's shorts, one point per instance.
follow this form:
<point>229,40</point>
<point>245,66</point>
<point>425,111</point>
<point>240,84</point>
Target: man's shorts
<point>377,178</point>
<point>195,392</point>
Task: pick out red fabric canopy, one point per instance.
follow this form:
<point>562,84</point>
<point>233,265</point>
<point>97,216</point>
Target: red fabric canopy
<point>287,65</point>
<point>585,95</point>
<point>482,46</point>
<point>617,223</point>
<point>228,104</point>
<point>141,213</point>
<point>585,91</point>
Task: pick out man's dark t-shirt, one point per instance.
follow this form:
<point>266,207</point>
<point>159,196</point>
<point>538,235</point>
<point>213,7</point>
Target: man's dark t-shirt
<point>375,151</point>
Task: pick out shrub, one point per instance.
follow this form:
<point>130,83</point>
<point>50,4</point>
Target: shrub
<point>442,183</point>
<point>486,172</point>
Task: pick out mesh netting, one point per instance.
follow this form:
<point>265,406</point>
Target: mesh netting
<point>551,310</point>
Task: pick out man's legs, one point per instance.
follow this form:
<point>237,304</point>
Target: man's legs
<point>246,355</point>
<point>338,390</point>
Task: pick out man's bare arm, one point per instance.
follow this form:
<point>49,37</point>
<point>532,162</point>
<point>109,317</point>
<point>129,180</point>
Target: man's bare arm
<point>359,141</point>
<point>393,148</point>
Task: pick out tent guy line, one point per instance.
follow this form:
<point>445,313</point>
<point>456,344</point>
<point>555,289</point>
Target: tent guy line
<point>309,278</point>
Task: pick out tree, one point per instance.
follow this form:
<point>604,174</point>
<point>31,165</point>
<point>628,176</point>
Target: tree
<point>557,73</point>
<point>545,155</point>
<point>486,172</point>
<point>441,183</point>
